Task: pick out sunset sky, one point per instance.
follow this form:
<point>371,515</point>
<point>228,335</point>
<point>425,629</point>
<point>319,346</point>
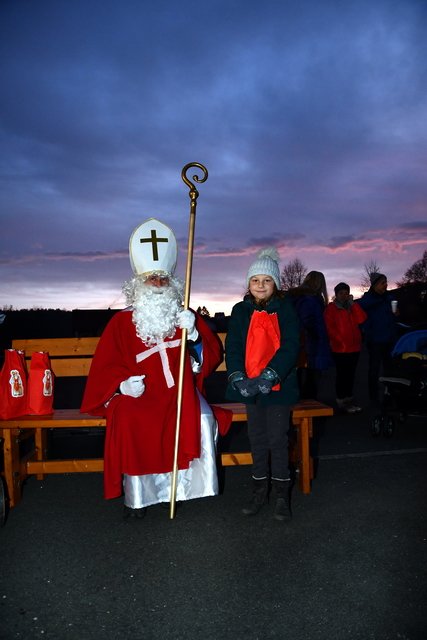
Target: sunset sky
<point>310,116</point>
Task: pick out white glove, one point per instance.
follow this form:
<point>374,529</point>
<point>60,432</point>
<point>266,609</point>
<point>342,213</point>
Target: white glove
<point>187,320</point>
<point>133,386</point>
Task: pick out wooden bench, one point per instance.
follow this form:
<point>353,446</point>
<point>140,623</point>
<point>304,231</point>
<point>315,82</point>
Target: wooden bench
<point>71,357</point>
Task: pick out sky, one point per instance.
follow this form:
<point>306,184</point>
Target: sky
<point>309,115</point>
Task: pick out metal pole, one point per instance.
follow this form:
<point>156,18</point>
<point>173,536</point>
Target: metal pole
<point>194,194</point>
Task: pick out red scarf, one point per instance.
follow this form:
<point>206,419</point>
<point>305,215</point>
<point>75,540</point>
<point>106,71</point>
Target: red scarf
<point>262,342</point>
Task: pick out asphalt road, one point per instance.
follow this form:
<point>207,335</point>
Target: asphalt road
<point>350,565</point>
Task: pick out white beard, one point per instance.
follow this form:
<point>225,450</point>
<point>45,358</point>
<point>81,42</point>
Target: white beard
<point>155,309</point>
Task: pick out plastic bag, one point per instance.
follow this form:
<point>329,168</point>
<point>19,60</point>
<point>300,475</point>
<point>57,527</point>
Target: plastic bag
<point>13,385</point>
<point>40,385</point>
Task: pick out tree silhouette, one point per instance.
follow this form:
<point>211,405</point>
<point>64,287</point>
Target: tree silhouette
<point>293,274</point>
<point>416,273</point>
<point>370,267</point>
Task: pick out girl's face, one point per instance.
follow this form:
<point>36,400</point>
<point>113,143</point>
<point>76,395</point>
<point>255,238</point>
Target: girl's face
<point>261,287</point>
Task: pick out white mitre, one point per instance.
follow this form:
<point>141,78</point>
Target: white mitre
<point>153,248</point>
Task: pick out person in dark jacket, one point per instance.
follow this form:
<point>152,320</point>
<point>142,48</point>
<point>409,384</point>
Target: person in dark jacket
<point>310,300</point>
<point>343,318</point>
<point>261,348</point>
<point>379,330</point>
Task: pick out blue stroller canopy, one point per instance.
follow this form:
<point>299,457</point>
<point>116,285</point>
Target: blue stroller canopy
<point>415,341</point>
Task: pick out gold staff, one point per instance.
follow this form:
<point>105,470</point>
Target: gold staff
<point>194,194</point>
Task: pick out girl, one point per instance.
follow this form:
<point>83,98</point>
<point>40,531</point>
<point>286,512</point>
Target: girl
<point>310,300</point>
<point>262,347</point>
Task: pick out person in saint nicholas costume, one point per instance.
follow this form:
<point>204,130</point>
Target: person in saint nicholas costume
<point>133,382</point>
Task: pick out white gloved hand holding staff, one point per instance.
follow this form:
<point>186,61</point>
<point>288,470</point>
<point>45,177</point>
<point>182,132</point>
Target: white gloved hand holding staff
<point>187,320</point>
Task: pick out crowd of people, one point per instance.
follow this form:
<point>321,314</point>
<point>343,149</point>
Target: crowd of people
<point>277,346</point>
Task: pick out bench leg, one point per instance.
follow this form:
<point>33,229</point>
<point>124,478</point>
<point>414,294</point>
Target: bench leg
<point>305,431</point>
<point>41,449</point>
<point>12,466</point>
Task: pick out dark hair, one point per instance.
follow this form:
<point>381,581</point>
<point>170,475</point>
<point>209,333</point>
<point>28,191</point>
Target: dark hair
<point>340,286</point>
<point>314,284</point>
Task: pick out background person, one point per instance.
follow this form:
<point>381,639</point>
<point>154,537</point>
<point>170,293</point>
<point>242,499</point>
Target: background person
<point>379,331</point>
<point>261,348</point>
<point>310,300</point>
<point>343,317</point>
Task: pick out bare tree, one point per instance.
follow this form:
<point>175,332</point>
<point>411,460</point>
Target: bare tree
<point>416,273</point>
<point>293,274</point>
<point>370,267</point>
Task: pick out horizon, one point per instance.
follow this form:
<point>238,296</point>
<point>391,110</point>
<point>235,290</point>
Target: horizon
<point>6,309</point>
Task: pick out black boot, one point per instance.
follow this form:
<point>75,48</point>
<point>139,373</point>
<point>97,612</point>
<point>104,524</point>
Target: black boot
<point>128,512</point>
<point>259,497</point>
<point>282,509</point>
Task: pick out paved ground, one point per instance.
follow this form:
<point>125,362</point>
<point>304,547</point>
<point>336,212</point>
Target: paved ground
<point>351,565</point>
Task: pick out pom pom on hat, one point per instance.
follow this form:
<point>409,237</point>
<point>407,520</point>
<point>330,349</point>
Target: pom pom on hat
<point>374,277</point>
<point>267,263</point>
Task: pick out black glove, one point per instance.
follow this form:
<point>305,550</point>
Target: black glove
<point>247,387</point>
<point>266,380</point>
<point>265,386</point>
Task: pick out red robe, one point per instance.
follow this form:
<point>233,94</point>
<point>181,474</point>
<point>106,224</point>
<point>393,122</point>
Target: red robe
<point>140,435</point>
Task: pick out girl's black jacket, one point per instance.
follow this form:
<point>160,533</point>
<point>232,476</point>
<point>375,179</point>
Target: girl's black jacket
<point>284,360</point>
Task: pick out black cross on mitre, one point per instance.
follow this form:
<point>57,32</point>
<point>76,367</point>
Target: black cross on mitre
<point>154,242</point>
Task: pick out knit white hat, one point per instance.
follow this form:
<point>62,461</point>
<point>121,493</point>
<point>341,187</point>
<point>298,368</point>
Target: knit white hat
<point>267,264</point>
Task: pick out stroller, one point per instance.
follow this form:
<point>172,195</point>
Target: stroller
<point>405,384</point>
